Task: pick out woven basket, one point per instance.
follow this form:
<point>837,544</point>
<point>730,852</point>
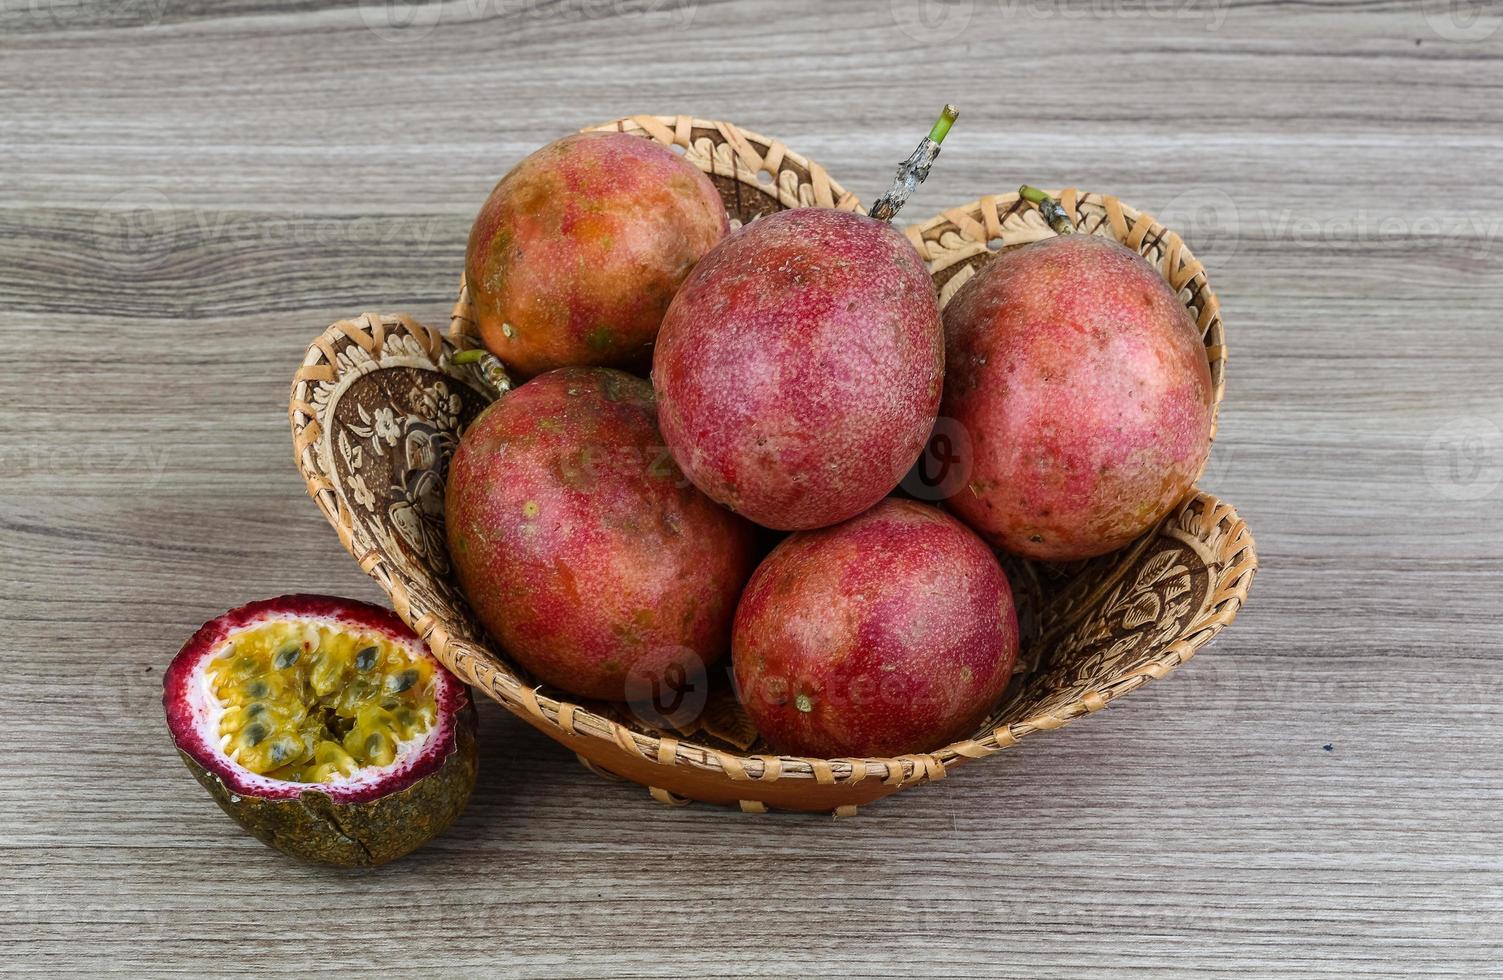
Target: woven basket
<point>378,405</point>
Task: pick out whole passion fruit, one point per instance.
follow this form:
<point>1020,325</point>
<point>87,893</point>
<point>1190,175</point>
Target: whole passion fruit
<point>577,252</point>
<point>581,546</point>
<point>324,726</point>
<point>893,632</point>
<point>799,368</point>
<point>1083,385</point>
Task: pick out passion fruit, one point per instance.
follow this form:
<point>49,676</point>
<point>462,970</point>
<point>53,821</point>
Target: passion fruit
<point>577,252</point>
<point>580,545</point>
<point>1083,385</point>
<point>799,368</point>
<point>891,633</point>
<point>325,727</point>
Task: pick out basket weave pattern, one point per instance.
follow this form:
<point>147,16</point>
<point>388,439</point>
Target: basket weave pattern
<point>378,405</point>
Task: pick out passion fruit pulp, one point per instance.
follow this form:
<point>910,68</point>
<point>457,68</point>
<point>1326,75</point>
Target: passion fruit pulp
<point>325,727</point>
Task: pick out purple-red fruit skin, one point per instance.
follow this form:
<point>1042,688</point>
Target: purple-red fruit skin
<point>799,367</point>
<point>580,545</point>
<point>577,252</point>
<point>1083,385</point>
<point>891,633</point>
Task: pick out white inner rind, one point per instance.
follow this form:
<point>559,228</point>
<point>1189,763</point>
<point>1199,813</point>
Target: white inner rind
<point>208,711</point>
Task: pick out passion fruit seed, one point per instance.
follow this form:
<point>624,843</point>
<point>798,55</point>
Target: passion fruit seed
<point>380,749</point>
<point>330,762</point>
<point>284,748</point>
<point>349,704</point>
<point>325,676</point>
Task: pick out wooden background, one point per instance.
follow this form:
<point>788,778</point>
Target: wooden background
<point>191,189</point>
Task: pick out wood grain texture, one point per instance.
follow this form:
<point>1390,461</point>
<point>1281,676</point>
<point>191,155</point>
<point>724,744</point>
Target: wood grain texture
<point>190,191</point>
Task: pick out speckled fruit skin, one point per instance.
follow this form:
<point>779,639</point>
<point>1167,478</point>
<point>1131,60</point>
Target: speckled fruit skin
<point>577,252</point>
<point>349,827</point>
<point>1084,387</point>
<point>580,545</point>
<point>894,632</point>
<point>799,368</point>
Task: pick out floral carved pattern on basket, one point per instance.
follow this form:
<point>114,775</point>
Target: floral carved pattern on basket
<point>378,405</point>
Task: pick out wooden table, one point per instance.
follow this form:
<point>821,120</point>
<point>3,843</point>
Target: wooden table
<point>190,191</point>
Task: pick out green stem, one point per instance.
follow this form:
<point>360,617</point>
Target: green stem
<point>1051,209</point>
<point>942,125</point>
<point>911,172</point>
<point>491,368</point>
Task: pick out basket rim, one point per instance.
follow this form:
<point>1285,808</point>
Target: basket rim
<point>747,161</point>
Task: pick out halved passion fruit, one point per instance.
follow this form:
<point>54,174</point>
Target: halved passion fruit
<point>325,727</point>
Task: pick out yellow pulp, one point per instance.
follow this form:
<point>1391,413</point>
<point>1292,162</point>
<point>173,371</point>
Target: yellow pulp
<point>310,703</point>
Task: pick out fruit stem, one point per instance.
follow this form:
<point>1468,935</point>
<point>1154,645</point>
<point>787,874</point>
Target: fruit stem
<point>947,117</point>
<point>1051,209</point>
<point>491,368</point>
<point>911,172</point>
